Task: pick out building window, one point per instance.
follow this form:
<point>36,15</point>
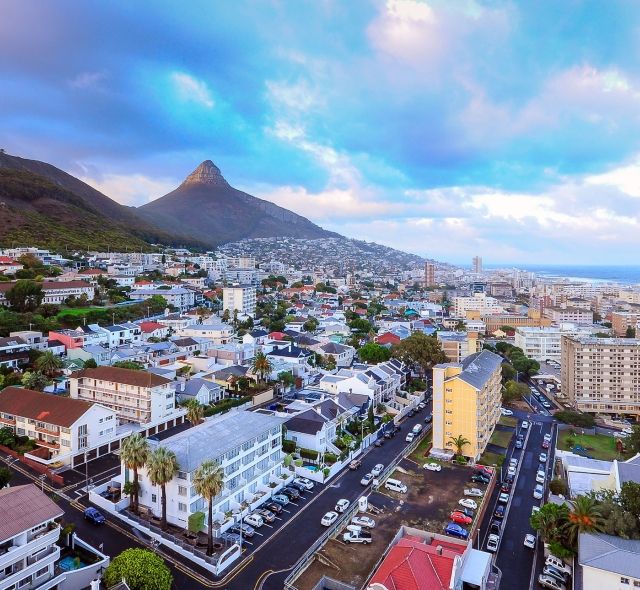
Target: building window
<point>154,498</point>
<point>182,507</point>
<point>182,490</point>
<point>624,580</point>
<point>42,572</point>
<point>182,475</point>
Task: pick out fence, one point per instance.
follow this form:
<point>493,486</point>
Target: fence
<point>42,469</point>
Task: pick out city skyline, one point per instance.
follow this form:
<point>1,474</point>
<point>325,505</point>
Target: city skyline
<point>437,128</point>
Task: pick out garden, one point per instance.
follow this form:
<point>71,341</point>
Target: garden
<point>593,446</point>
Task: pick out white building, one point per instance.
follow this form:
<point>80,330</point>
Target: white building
<point>179,297</point>
<point>478,302</point>
<point>608,562</point>
<point>247,445</point>
<point>55,292</point>
<point>218,333</point>
<point>544,343</point>
<point>241,298</point>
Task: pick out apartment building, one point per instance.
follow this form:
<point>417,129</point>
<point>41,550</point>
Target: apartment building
<point>479,302</point>
<point>621,320</point>
<point>458,345</point>
<point>179,297</point>
<point>61,427</point>
<point>429,274</point>
<point>494,322</point>
<point>247,445</point>
<point>136,396</point>
<point>602,375</point>
<point>28,535</point>
<point>240,298</point>
<point>55,292</point>
<point>574,315</point>
<point>608,562</point>
<point>466,402</point>
<point>216,332</point>
<point>544,344</point>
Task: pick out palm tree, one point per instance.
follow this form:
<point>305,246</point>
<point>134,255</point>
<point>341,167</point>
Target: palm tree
<point>208,481</point>
<point>134,454</point>
<point>162,467</point>
<point>459,442</point>
<point>584,518</point>
<point>261,365</point>
<point>195,411</point>
<point>550,521</point>
<point>48,363</point>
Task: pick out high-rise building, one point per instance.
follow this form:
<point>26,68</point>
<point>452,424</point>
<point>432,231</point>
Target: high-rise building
<point>476,263</point>
<point>240,298</point>
<point>429,274</point>
<point>600,375</point>
<point>466,403</point>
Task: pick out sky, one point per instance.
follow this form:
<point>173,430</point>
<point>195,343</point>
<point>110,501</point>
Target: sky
<point>454,128</point>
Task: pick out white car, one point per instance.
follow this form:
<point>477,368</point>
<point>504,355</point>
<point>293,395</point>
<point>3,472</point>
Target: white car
<point>255,520</point>
<point>511,470</point>
<point>329,518</point>
<point>627,430</point>
<point>542,458</point>
<point>547,437</point>
<point>366,479</point>
<point>553,561</point>
<point>503,498</point>
<point>530,541</point>
<point>492,543</point>
<point>540,477</point>
<point>506,412</point>
<point>342,505</point>
<point>524,425</point>
<point>377,470</point>
<point>410,437</point>
<point>535,509</point>
<point>364,522</point>
<point>550,583</point>
<point>307,484</point>
<point>467,503</point>
<point>513,462</point>
<point>538,492</point>
<point>432,467</point>
<point>473,492</point>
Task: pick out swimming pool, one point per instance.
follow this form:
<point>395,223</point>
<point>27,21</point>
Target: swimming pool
<point>69,563</point>
<point>312,468</point>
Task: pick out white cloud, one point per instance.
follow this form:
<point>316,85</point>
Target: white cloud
<point>624,178</point>
<point>132,190</point>
<point>190,89</point>
<point>86,80</point>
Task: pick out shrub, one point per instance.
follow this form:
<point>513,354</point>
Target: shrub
<point>225,405</point>
<point>576,418</point>
<point>288,446</point>
<point>330,457</point>
<point>142,569</point>
<point>557,486</point>
<point>308,454</point>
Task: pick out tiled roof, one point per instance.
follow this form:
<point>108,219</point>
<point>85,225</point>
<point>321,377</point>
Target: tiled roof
<point>24,507</point>
<point>127,376</point>
<point>609,553</point>
<point>44,407</point>
<point>478,368</point>
<point>148,327</point>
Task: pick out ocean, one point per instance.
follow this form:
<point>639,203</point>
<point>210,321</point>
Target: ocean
<point>627,275</point>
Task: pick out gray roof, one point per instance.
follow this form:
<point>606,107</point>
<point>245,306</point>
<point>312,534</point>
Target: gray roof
<point>215,436</point>
<point>308,422</point>
<point>478,368</point>
<point>193,386</point>
<point>628,472</point>
<point>333,348</point>
<point>24,507</point>
<point>609,553</point>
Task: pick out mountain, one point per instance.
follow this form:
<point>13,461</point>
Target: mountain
<point>214,212</point>
<point>48,207</point>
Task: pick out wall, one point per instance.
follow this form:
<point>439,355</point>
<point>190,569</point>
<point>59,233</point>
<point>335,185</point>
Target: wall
<point>53,477</point>
<point>81,578</point>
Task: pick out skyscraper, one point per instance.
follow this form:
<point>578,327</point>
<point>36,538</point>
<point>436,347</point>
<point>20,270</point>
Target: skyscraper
<point>429,274</point>
<point>476,263</point>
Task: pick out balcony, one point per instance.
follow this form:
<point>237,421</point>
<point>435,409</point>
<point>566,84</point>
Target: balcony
<point>8,421</point>
<point>47,444</point>
<point>48,431</point>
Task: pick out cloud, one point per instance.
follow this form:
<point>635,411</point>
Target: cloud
<point>133,189</point>
<point>85,80</point>
<point>190,89</point>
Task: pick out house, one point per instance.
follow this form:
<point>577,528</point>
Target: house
<point>153,330</point>
<point>61,426</point>
<point>247,446</point>
<point>9,266</point>
<point>203,391</point>
<point>315,428</point>
<point>387,339</point>
<point>218,333</point>
<point>290,353</point>
<point>55,292</point>
<point>608,562</point>
<point>14,352</point>
<point>342,354</point>
<point>120,334</point>
<point>256,337</point>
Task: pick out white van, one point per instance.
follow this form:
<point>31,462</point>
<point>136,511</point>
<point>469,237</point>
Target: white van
<point>395,485</point>
<point>417,429</point>
<point>255,520</point>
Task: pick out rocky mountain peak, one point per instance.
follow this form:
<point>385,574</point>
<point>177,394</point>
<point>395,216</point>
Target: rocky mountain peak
<point>206,173</point>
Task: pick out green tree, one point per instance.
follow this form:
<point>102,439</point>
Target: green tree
<point>584,518</point>
<point>630,333</point>
<point>133,365</point>
<point>370,417</point>
<point>162,467</point>
<point>156,304</point>
<point>5,476</point>
<point>286,378</point>
<point>550,521</point>
<point>330,362</point>
<point>90,364</point>
<point>634,440</point>
<point>512,391</point>
<point>25,296</point>
<point>630,497</point>
<point>508,372</point>
<point>459,442</point>
<point>35,380</point>
<point>195,411</point>
<point>420,352</point>
<point>261,365</point>
<point>226,316</point>
<point>361,325</point>
<point>311,325</point>
<point>142,569</point>
<point>48,363</point>
<point>208,481</point>
<point>373,353</point>
<point>134,454</point>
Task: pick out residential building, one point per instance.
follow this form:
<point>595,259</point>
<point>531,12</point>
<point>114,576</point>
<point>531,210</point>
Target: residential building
<point>342,354</point>
<point>203,391</point>
<point>55,292</point>
<point>217,332</point>
<point>476,263</point>
<point>36,340</point>
<point>240,298</point>
<point>479,302</point>
<point>620,321</point>
<point>458,345</point>
<point>429,274</point>
<point>608,562</point>
<point>136,396</point>
<point>574,315</point>
<point>543,344</point>
<point>496,321</point>
<point>178,297</point>
<point>14,352</point>
<point>246,445</point>
<point>600,375</point>
<point>466,402</point>
<point>315,428</point>
<point>153,330</point>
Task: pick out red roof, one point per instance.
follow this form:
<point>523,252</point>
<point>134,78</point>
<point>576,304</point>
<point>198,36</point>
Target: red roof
<point>387,338</point>
<point>143,283</point>
<point>7,260</point>
<point>148,327</point>
<point>413,565</point>
<point>277,335</point>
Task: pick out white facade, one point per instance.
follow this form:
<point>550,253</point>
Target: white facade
<point>179,297</point>
<point>241,298</point>
<point>478,302</point>
<point>218,333</point>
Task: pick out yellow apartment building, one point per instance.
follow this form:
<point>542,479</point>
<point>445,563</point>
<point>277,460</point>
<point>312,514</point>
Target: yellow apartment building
<point>466,402</point>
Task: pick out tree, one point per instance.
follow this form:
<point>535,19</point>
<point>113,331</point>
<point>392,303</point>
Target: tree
<point>373,353</point>
<point>575,418</point>
<point>634,440</point>
<point>142,569</point>
<point>550,521</point>
<point>195,411</point>
<point>630,497</point>
<point>584,518</point>
<point>370,416</point>
<point>162,467</point>
<point>459,442</point>
<point>311,325</point>
<point>420,352</point>
<point>361,325</point>
<point>25,296</point>
<point>330,363</point>
<point>48,363</point>
<point>35,380</point>
<point>261,365</point>
<point>508,372</point>
<point>133,365</point>
<point>208,481</point>
<point>134,454</point>
<point>226,315</point>
<point>630,333</point>
<point>90,364</point>
<point>5,476</point>
<point>286,378</point>
<point>513,391</point>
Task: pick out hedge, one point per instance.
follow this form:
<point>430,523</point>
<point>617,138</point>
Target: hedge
<point>308,454</point>
<point>225,405</point>
<point>576,418</point>
<point>288,446</point>
<point>330,457</point>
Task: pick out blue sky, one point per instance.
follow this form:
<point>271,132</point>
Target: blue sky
<point>445,128</point>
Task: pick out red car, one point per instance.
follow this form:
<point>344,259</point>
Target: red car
<point>460,518</point>
<point>545,444</point>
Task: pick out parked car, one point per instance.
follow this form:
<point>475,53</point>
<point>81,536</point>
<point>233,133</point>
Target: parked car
<point>377,470</point>
<point>95,516</point>
<point>542,457</point>
<point>231,537</point>
<point>395,485</point>
<point>495,527</point>
<point>466,511</point>
<point>363,537</point>
<point>422,406</point>
<point>432,467</point>
<point>524,425</point>
<point>411,413</point>
<point>428,419</point>
<point>475,492</point>
<point>511,470</point>
<point>281,499</point>
<point>545,444</point>
<point>291,493</point>
<point>499,511</point>
<point>307,484</point>
<point>329,518</point>
<point>503,498</point>
<point>480,478</point>
<point>245,530</point>
<point>274,507</point>
<point>366,479</point>
<point>467,503</point>
<point>559,576</point>
<point>540,476</point>
<point>389,433</point>
<point>513,462</point>
<point>506,412</point>
<point>547,437</point>
<point>558,564</point>
<point>342,505</point>
<point>455,530</point>
<point>509,478</point>
<point>267,515</point>
<point>460,518</point>
<point>538,492</point>
<point>505,487</point>
<point>355,464</point>
<point>255,520</point>
<point>379,442</point>
<point>519,444</point>
<point>492,543</point>
<point>364,521</point>
<point>530,541</point>
<point>410,436</point>
<point>535,509</point>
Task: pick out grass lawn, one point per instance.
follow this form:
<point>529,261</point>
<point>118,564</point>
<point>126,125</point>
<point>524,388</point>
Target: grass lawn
<point>501,438</point>
<point>418,454</point>
<point>489,458</point>
<point>599,446</point>
<point>511,421</point>
<point>78,311</point>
